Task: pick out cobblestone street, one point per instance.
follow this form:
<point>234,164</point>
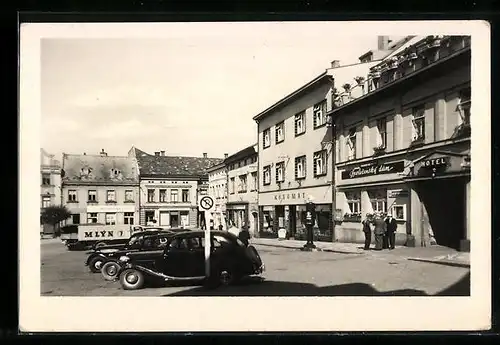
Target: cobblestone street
<point>289,272</point>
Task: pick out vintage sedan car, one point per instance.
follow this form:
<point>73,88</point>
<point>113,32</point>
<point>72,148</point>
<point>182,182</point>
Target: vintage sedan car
<point>183,259</point>
<point>144,240</point>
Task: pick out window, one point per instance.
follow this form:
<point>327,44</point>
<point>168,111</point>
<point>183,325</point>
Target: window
<point>418,122</point>
<point>354,202</point>
<point>150,216</point>
<point>399,212</point>
<point>464,106</point>
<point>92,195</point>
<point>163,195</point>
<point>46,179</point>
<point>267,138</point>
<point>231,185</point>
<point>280,132</point>
<point>280,172</point>
<point>351,144</point>
<point>185,195</point>
<point>319,114</point>
<point>319,163</point>
<point>174,195</point>
<point>300,125</point>
<point>243,183</point>
<point>129,195</point>
<point>382,133</point>
<point>128,218</point>
<point>378,199</point>
<point>151,195</point>
<point>110,218</point>
<point>254,182</point>
<point>91,218</point>
<point>45,201</point>
<point>72,196</point>
<point>75,218</point>
<point>300,167</point>
<point>111,196</point>
<point>267,175</point>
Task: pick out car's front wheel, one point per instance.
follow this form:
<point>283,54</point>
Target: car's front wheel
<point>110,270</point>
<point>95,264</point>
<point>131,279</point>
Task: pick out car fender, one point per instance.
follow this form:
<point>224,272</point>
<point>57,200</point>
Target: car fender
<point>93,255</point>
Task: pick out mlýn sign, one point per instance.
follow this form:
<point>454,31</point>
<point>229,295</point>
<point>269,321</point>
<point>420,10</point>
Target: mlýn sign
<point>102,234</point>
<point>374,169</point>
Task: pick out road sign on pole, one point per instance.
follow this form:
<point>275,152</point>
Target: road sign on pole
<point>207,204</point>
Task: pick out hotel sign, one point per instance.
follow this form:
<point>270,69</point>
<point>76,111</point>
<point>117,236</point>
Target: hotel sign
<point>373,170</point>
<point>290,196</point>
<point>435,162</point>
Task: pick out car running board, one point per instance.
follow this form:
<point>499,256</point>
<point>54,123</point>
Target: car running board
<point>166,277</point>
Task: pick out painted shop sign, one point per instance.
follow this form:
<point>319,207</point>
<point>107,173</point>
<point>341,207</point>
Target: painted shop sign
<point>291,195</point>
<point>374,169</point>
<point>398,193</point>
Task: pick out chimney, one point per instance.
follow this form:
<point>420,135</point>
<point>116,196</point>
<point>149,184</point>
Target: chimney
<point>162,153</point>
<point>157,154</point>
<point>226,155</point>
<point>205,155</point>
<point>335,63</point>
<point>103,154</point>
<point>383,42</point>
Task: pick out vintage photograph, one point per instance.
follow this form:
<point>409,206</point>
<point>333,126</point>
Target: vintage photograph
<point>270,159</point>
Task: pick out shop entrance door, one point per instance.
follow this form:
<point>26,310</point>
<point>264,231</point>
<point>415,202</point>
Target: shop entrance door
<point>444,202</point>
<point>292,220</point>
<point>174,220</point>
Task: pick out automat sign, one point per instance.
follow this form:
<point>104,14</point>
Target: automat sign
<point>373,169</point>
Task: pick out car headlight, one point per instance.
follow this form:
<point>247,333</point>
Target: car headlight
<point>124,258</point>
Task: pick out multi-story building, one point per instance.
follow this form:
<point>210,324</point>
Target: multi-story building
<point>50,184</point>
<point>242,184</point>
<point>101,189</point>
<point>403,144</point>
<point>217,189</point>
<point>169,187</point>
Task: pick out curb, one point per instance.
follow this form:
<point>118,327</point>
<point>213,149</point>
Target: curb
<point>299,248</point>
<point>442,262</point>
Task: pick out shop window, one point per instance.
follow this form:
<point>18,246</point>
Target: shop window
<point>319,163</point>
<point>378,200</point>
<point>351,144</point>
<point>174,195</point>
<point>72,196</point>
<point>91,218</point>
<point>231,185</point>
<point>381,133</point>
<point>300,167</point>
<point>110,196</point>
<point>267,175</point>
<point>280,132</point>
<point>110,218</point>
<point>354,204</point>
<point>163,195</point>
<point>92,197</point>
<point>418,123</point>
<point>300,125</point>
<point>280,172</point>
<point>151,195</point>
<point>464,106</point>
<point>185,195</point>
<point>399,212</point>
<point>150,216</point>
<point>319,114</point>
<point>267,138</point>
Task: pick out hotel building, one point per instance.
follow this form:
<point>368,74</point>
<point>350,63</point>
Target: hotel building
<point>403,144</point>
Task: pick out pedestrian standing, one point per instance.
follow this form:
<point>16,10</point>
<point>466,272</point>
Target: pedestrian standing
<point>391,226</point>
<point>379,231</point>
<point>385,244</point>
<point>367,229</point>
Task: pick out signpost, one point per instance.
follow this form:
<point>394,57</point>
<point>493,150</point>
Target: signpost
<point>206,203</point>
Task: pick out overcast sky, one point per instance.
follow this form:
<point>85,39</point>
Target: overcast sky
<point>193,91</point>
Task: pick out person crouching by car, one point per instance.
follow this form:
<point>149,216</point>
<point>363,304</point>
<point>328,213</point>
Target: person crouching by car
<point>380,230</point>
<point>367,229</point>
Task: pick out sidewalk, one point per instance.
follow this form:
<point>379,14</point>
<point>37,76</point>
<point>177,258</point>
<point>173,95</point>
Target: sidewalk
<point>433,254</point>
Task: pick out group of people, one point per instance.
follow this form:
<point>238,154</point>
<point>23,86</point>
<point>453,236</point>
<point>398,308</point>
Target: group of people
<point>384,228</point>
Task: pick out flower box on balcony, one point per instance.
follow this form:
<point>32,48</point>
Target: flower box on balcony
<point>462,131</point>
<point>417,142</point>
<point>379,150</point>
<point>352,217</point>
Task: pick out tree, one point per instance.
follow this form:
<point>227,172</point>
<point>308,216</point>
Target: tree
<point>53,215</point>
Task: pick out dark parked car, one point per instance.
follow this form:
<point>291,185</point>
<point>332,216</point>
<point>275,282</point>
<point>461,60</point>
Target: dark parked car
<point>183,259</point>
<point>144,240</point>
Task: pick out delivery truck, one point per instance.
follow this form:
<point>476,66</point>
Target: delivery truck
<point>96,235</point>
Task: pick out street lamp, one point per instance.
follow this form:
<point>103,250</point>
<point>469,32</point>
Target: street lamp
<point>310,219</point>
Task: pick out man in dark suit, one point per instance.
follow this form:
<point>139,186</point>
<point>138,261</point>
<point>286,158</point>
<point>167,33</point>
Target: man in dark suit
<point>391,227</point>
<point>379,231</point>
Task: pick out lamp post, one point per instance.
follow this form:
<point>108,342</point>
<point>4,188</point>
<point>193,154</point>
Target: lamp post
<point>310,219</point>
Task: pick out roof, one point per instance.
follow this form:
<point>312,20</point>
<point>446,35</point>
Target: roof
<point>246,152</point>
<point>97,169</point>
<point>289,98</point>
<point>152,165</point>
<point>48,159</point>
